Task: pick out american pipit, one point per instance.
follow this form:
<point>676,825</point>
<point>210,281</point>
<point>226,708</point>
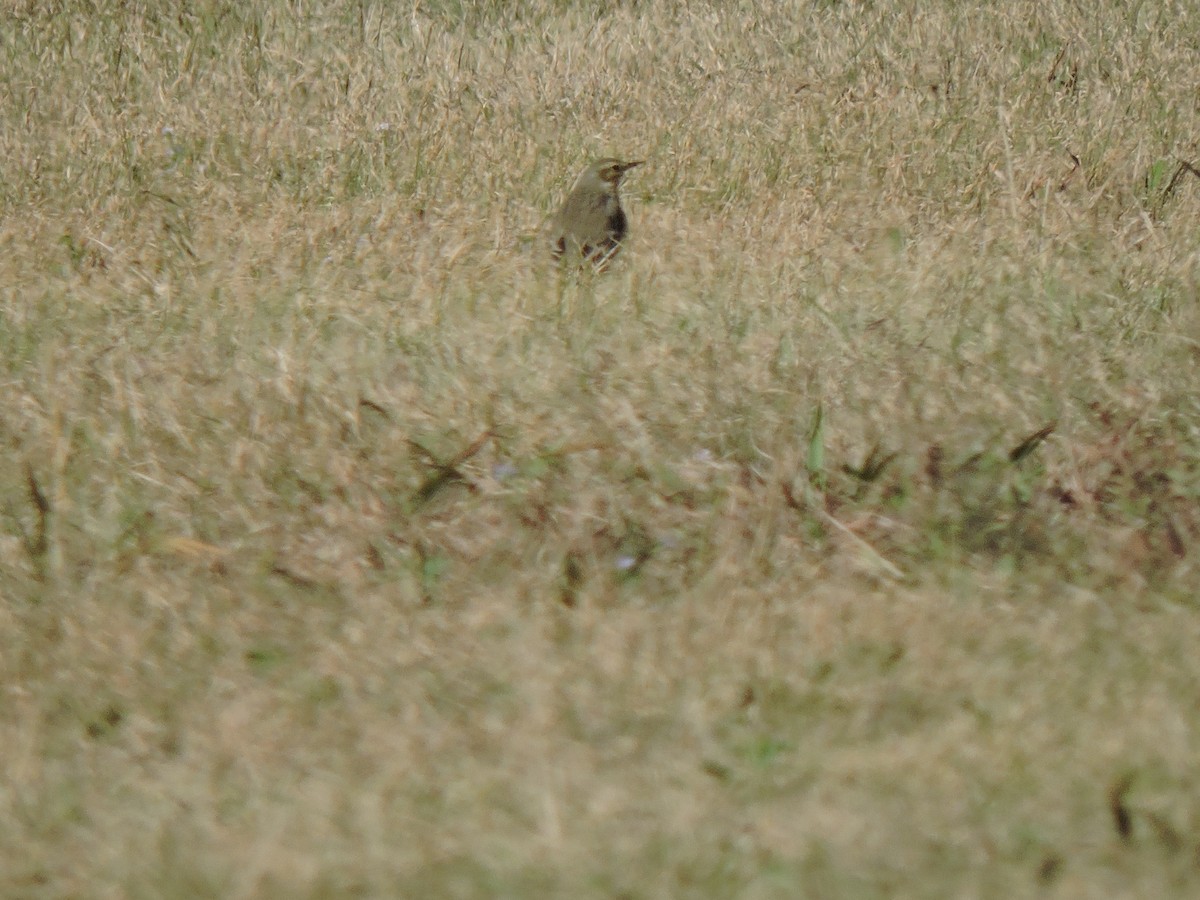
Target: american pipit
<point>591,224</point>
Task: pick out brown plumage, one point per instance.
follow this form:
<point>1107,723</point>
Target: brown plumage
<point>591,224</point>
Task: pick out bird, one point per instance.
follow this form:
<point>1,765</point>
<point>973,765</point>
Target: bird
<point>591,224</point>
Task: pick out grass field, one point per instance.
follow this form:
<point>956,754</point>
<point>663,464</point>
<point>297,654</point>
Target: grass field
<point>839,541</point>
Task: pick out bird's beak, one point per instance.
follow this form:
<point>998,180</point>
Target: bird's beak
<point>625,167</point>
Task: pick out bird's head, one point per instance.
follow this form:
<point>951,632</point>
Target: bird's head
<point>609,171</point>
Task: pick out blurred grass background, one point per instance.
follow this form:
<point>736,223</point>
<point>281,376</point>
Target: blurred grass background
<point>840,541</point>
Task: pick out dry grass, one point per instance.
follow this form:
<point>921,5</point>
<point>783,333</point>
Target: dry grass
<point>841,541</point>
